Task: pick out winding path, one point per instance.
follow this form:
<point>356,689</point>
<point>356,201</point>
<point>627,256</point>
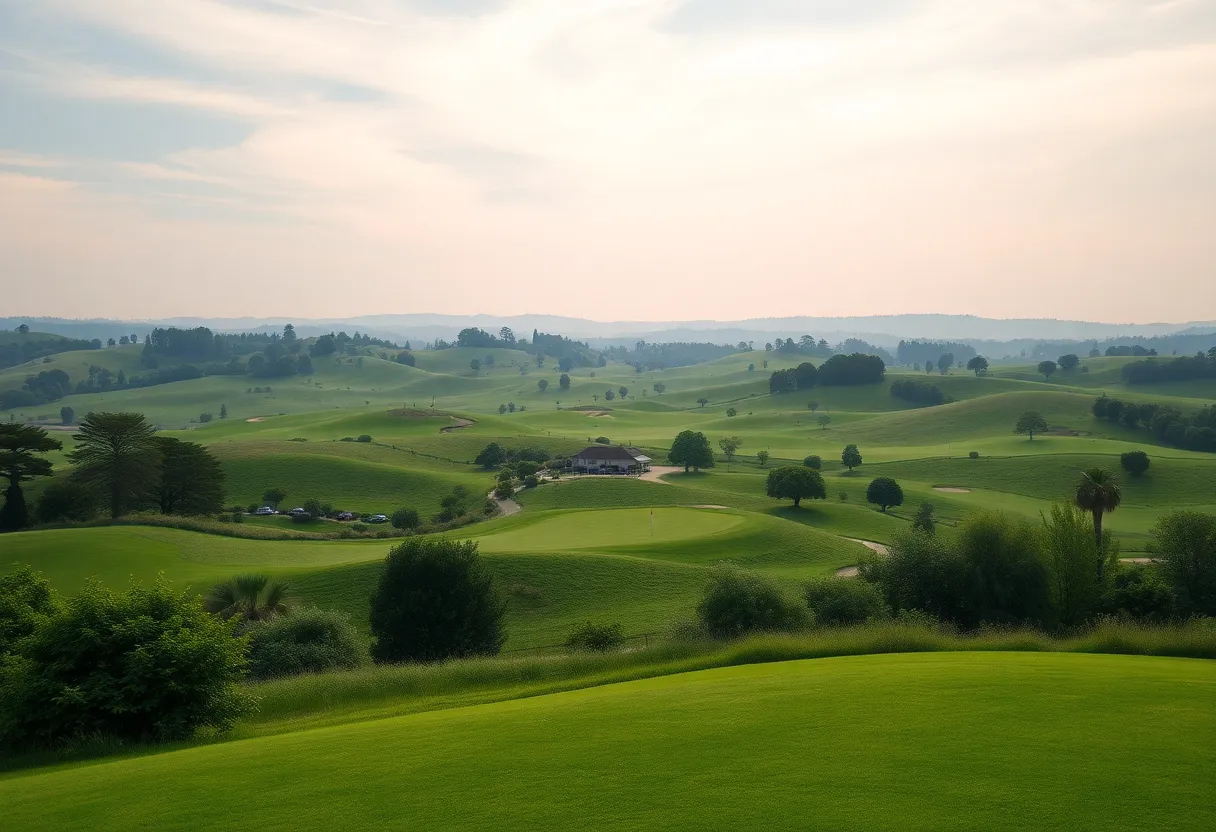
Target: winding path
<point>657,471</point>
<point>851,571</point>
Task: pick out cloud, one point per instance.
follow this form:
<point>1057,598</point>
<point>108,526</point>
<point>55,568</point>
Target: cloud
<point>697,16</point>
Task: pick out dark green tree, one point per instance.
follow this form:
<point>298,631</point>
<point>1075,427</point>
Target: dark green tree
<point>978,364</point>
<point>850,457</point>
<point>191,479</point>
<point>67,415</point>
<point>1185,543</point>
<point>436,600</point>
<point>813,462</point>
<point>1030,422</point>
<point>1068,362</point>
<point>885,493</point>
<point>1046,368</point>
<point>26,600</point>
<point>116,453</point>
<point>1135,463</point>
<point>491,456</point>
<point>702,401</point>
<point>273,496</point>
<point>250,597</point>
<point>795,482</point>
<point>406,518</point>
<point>691,449</point>
<point>924,520</point>
<point>66,500</point>
<point>1098,492</point>
<point>542,384</point>
<point>20,446</point>
<point>563,381</point>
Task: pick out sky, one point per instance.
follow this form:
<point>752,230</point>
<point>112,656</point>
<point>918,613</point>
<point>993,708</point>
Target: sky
<point>608,159</point>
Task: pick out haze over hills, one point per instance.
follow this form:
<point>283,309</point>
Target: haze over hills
<point>882,330</point>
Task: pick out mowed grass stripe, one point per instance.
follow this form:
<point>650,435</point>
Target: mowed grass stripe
<point>896,742</point>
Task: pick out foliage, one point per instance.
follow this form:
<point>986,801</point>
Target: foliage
<point>435,600</point>
<point>850,457</point>
<point>1098,492</point>
<point>730,444</point>
<point>66,500</point>
<point>762,458</point>
<point>924,520</point>
<point>884,492</point>
<point>1182,368</point>
<point>1047,368</point>
<point>491,456</point>
<point>250,597</point>
<point>814,462</point>
<point>1196,432</point>
<point>824,421</point>
<point>1068,362</point>
<point>802,377</point>
<point>147,664</point>
<point>596,638</point>
<point>1138,592</point>
<point>738,602</point>
<point>1030,422</point>
<point>19,462</point>
<point>274,496</point>
<point>691,449</point>
<point>795,482</point>
<point>1006,579</point>
<point>973,455</point>
<point>842,602</point>
<point>928,352</point>
<point>852,369</point>
<point>26,600</point>
<point>406,518</point>
<point>1185,543</point>
<point>1077,563</point>
<point>117,454</point>
<point>307,641</point>
<point>1135,463</point>
<point>191,480</point>
<point>978,365</point>
<point>918,392</point>
<point>919,572</point>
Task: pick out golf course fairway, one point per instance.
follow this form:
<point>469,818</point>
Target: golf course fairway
<point>965,741</point>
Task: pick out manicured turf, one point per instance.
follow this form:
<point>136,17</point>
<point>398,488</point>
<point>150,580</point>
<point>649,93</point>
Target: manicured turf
<point>900,742</point>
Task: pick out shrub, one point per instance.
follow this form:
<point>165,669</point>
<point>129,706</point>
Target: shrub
<point>307,641</point>
<point>598,638</point>
<point>813,462</point>
<point>603,440</point>
<point>491,456</point>
<point>146,664</point>
<point>406,518</point>
<point>1141,593</point>
<point>1185,543</point>
<point>301,517</point>
<point>1006,578</point>
<point>25,601</point>
<point>973,455</point>
<point>845,601</point>
<point>919,572</point>
<point>313,507</point>
<point>435,600</point>
<point>524,468</point>
<point>738,602</point>
<point>504,491</point>
<point>66,500</point>
<point>1135,462</point>
<point>364,438</point>
<point>1076,561</point>
<point>531,481</point>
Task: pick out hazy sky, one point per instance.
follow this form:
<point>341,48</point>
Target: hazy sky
<point>611,159</point>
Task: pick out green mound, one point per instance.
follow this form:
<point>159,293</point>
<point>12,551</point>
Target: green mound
<point>608,529</point>
<point>901,742</point>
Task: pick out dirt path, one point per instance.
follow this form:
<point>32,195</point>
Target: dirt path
<point>851,571</point>
<point>1138,560</point>
<point>657,471</point>
<point>460,424</point>
<point>951,489</point>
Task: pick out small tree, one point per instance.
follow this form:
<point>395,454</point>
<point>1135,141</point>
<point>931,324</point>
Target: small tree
<point>731,412</point>
<point>924,520</point>
<point>730,444</point>
<point>564,382</point>
<point>885,493</point>
<point>475,365</point>
<point>436,600</point>
<point>23,329</point>
<point>21,447</point>
<point>762,458</point>
<point>812,405</point>
<point>609,395</point>
<point>406,518</point>
<point>1030,422</point>
<point>250,598</point>
<point>307,641</point>
<point>1185,543</point>
<point>850,457</point>
<point>595,638</point>
<point>813,462</point>
<point>1069,362</point>
<point>945,362</point>
<point>622,392</point>
<point>542,384</point>
<point>67,415</point>
<point>738,602</point>
<point>702,401</point>
<point>843,602</point>
<point>1046,368</point>
<point>1135,463</point>
<point>796,483</point>
<point>1098,492</point>
<point>223,411</point>
<point>273,496</point>
<point>491,456</point>
<point>824,421</point>
<point>977,365</point>
<point>691,449</point>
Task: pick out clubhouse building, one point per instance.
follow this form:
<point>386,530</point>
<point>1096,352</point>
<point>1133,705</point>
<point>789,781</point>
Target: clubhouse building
<point>609,459</point>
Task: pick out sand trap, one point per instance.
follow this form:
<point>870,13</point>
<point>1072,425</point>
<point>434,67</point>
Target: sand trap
<point>951,489</point>
<point>1138,560</point>
<point>846,572</point>
<point>256,419</point>
<point>709,505</point>
<point>461,424</point>
<point>871,545</point>
<point>591,414</point>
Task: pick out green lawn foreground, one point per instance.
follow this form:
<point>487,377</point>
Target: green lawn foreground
<point>961,741</point>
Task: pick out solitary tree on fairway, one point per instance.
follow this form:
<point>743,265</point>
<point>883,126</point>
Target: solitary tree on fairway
<point>945,362</point>
<point>885,492</point>
<point>812,405</point>
<point>623,392</point>
<point>1135,462</point>
<point>924,520</point>
<point>813,462</point>
<point>977,365</point>
<point>543,385</point>
<point>796,483</point>
<point>850,457</point>
<point>1069,362</point>
<point>563,381</point>
<point>475,365</point>
<point>1046,368</point>
<point>250,598</point>
<point>824,421</point>
<point>691,449</point>
<point>18,463</point>
<point>223,411</point>
<point>117,454</point>
<point>762,458</point>
<point>491,456</point>
<point>1098,493</point>
<point>67,415</point>
<point>702,401</point>
<point>1029,422</point>
<point>730,444</point>
<point>436,600</point>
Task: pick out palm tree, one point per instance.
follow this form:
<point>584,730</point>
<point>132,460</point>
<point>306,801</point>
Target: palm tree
<point>250,597</point>
<point>1097,492</point>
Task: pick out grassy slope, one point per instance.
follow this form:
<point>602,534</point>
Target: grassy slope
<point>959,741</point>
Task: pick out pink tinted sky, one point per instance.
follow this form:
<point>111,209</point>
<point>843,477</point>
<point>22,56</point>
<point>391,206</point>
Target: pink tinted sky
<point>612,159</point>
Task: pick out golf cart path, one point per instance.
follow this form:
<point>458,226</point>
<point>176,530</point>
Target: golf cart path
<point>657,471</point>
<point>851,571</point>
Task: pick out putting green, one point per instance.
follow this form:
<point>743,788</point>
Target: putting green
<point>993,741</point>
<point>557,531</point>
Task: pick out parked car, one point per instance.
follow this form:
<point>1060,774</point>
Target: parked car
<point>378,518</point>
<point>296,511</point>
<point>265,510</point>
<point>345,515</point>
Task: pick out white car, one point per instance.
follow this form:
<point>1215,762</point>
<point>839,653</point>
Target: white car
<point>265,510</point>
<point>378,518</point>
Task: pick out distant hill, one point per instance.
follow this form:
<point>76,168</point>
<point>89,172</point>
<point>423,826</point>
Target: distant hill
<point>19,347</point>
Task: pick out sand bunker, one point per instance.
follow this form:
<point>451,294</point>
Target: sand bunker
<point>846,572</point>
<point>709,505</point>
<point>951,490</point>
<point>257,419</point>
